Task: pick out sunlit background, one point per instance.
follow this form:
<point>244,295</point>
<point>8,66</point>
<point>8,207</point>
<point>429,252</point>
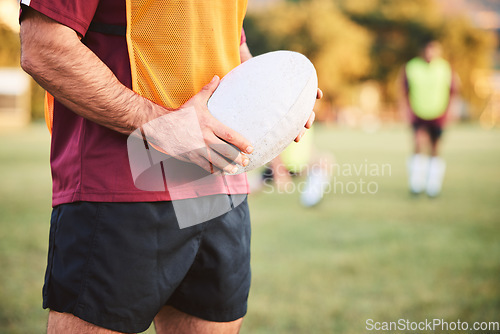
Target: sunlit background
<point>359,47</point>
<point>356,256</point>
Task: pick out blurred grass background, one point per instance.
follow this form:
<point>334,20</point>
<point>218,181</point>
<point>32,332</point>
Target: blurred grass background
<point>328,269</point>
<point>356,256</point>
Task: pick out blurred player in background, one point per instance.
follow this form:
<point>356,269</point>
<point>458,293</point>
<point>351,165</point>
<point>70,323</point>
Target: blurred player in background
<point>429,88</point>
<point>296,160</point>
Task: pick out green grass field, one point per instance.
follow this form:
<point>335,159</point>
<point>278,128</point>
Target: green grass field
<point>384,256</point>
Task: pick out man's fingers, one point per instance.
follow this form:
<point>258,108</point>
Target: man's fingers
<point>230,136</point>
<point>319,94</point>
<point>310,121</point>
<point>229,152</point>
<point>210,159</point>
<point>220,163</point>
<point>299,137</point>
<point>223,155</point>
<point>198,157</point>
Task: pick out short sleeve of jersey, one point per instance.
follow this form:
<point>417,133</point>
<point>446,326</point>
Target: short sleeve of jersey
<point>75,14</point>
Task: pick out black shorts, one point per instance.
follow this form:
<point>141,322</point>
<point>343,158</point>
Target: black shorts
<point>116,264</point>
<point>432,127</point>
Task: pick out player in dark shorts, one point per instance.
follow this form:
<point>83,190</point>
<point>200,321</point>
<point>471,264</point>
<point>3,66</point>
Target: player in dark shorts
<point>429,86</point>
<point>118,257</point>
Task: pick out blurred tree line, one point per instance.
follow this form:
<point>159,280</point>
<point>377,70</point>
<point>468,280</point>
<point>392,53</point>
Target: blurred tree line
<point>9,47</point>
<point>10,55</point>
<point>349,42</point>
<point>352,41</point>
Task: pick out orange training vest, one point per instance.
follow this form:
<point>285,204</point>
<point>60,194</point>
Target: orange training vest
<point>177,46</point>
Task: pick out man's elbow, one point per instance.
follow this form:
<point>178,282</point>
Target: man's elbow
<point>27,62</point>
<point>31,34</point>
<point>36,44</point>
<point>28,54</point>
<point>34,60</point>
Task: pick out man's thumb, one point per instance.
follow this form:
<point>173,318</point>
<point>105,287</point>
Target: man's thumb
<point>209,88</point>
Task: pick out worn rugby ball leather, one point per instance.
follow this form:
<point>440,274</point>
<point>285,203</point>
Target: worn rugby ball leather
<point>267,99</point>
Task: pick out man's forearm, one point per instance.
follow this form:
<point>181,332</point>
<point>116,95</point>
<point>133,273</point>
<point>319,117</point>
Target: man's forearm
<point>54,56</point>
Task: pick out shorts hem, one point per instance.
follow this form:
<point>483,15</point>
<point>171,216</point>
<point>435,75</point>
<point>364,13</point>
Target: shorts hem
<point>215,315</point>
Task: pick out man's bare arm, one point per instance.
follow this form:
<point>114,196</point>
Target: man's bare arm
<point>55,57</point>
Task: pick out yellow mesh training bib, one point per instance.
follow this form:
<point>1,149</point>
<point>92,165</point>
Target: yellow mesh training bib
<point>429,87</point>
<point>176,47</point>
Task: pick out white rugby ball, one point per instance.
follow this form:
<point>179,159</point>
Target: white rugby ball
<point>267,99</point>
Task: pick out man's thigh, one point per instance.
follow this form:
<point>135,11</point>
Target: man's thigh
<point>171,320</point>
<point>168,320</point>
<point>69,324</point>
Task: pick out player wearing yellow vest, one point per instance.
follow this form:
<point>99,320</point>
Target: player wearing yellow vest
<point>429,87</point>
<point>117,258</point>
